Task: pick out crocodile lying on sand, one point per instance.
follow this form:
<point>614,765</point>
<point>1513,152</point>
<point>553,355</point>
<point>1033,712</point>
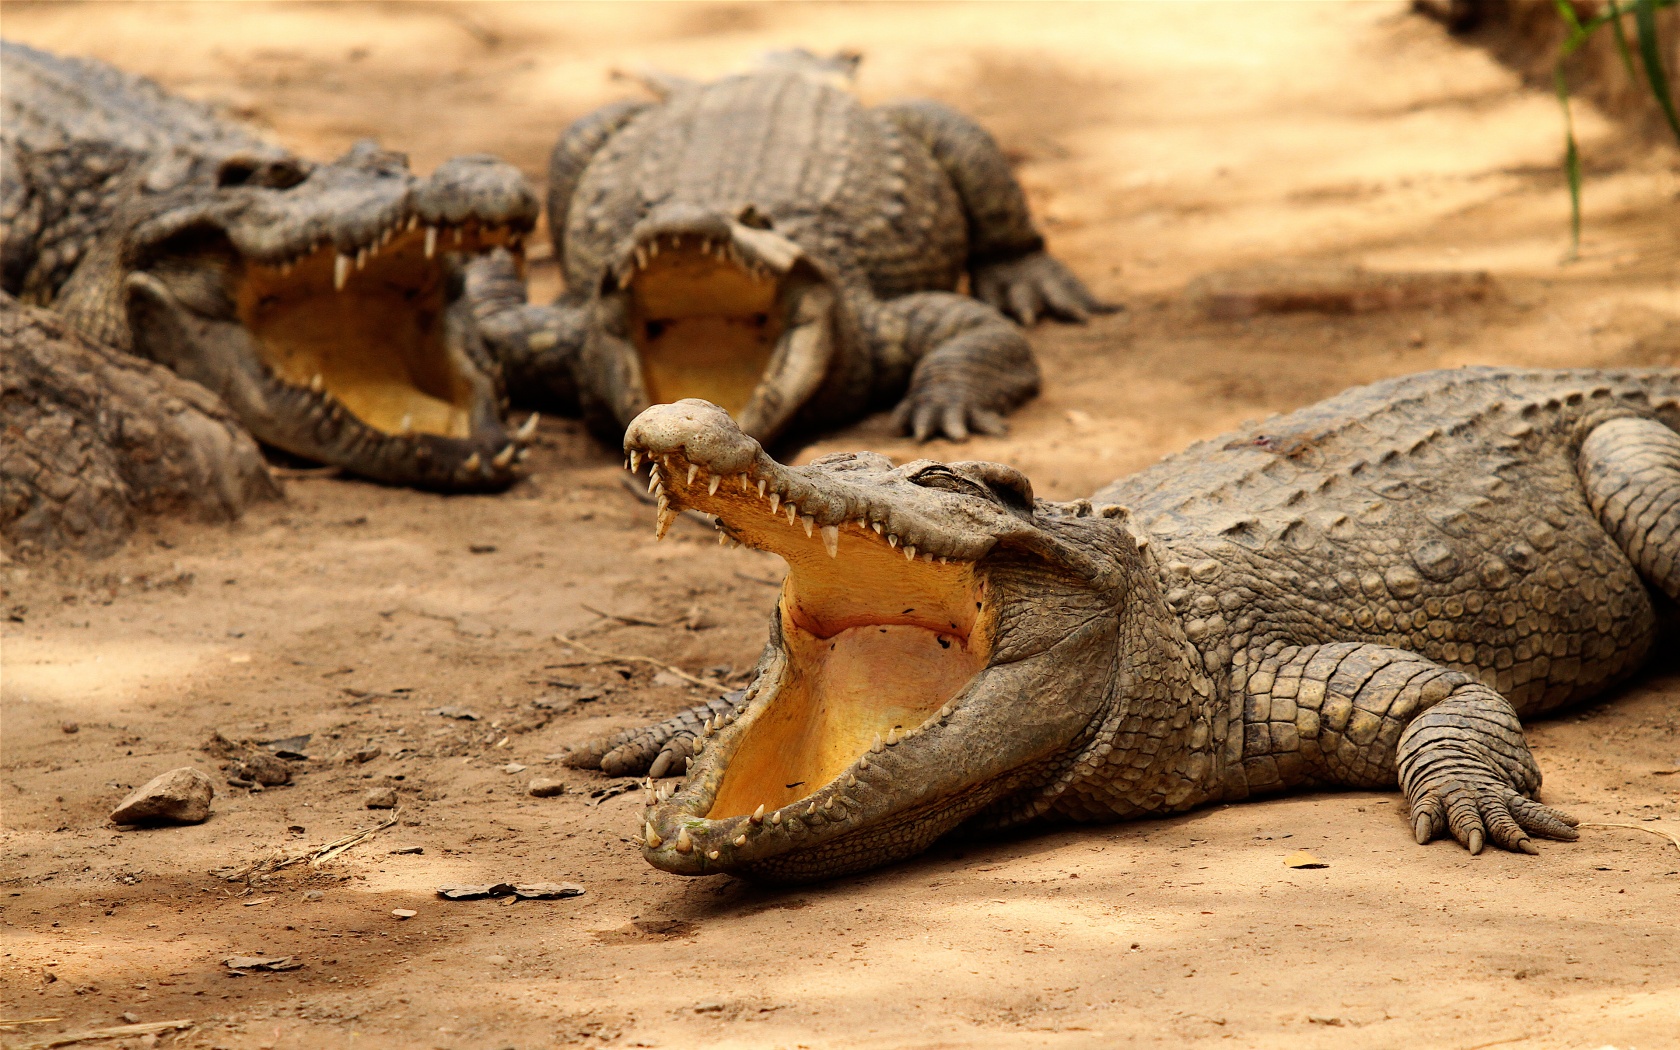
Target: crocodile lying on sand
<point>1366,592</point>
<point>322,302</point>
<point>770,244</point>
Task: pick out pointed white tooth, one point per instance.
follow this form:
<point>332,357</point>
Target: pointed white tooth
<point>504,457</point>
<point>809,523</point>
<point>525,432</point>
<point>473,463</point>
<point>653,249</point>
<point>775,501</point>
<point>650,836</point>
<point>927,558</point>
<point>863,761</point>
<point>693,469</point>
<point>641,258</point>
<point>909,554</point>
<point>685,842</point>
<point>665,517</point>
<point>407,426</point>
<point>746,483</point>
<point>831,539</point>
<point>723,539</point>
<point>892,737</point>
<point>792,512</point>
<point>776,818</point>
<point>876,526</point>
<point>712,485</point>
<point>758,814</point>
<point>761,489</point>
<point>653,479</point>
<point>892,540</point>
<point>361,258</point>
<point>941,560</point>
<point>740,840</point>
<point>316,383</point>
<point>713,854</point>
<point>431,241</point>
<point>413,221</point>
<point>341,271</point>
<point>635,460</point>
<point>876,745</point>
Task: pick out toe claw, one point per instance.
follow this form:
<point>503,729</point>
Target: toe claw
<point>1527,846</point>
<point>1473,841</point>
<point>1423,829</point>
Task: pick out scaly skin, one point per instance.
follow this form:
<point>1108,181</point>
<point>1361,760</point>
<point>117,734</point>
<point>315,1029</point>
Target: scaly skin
<point>1368,592</point>
<point>864,220</point>
<point>322,302</point>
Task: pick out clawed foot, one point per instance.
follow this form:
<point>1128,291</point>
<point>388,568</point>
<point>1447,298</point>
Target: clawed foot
<point>1480,810</point>
<point>658,750</point>
<point>935,412</point>
<point>1035,286</point>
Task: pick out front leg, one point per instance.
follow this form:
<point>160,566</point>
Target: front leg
<point>537,347</point>
<point>961,363</point>
<point>1007,264</point>
<point>1371,716</point>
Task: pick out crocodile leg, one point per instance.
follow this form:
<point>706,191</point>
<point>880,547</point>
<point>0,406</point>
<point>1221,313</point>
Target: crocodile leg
<point>1630,469</point>
<point>1364,715</point>
<point>968,364</point>
<point>537,347</point>
<point>1008,266</point>
<point>658,750</point>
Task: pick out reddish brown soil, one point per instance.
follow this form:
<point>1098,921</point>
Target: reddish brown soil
<point>1160,143</point>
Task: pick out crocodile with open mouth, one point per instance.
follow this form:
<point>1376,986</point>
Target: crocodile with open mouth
<point>1366,592</point>
<point>323,302</point>
<point>768,243</point>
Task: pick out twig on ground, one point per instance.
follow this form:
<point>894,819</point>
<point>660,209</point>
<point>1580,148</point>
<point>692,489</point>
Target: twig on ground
<point>122,1031</point>
<point>709,683</point>
<point>16,1021</point>
<point>1660,833</point>
<point>316,856</point>
<point>632,621</point>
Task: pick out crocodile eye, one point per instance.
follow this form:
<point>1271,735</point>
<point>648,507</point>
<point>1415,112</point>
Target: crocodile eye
<point>939,476</point>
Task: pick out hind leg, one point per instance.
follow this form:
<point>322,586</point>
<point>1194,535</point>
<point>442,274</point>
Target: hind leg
<point>1630,469</point>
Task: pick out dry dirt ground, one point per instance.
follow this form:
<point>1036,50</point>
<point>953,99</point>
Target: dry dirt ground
<point>1160,143</point>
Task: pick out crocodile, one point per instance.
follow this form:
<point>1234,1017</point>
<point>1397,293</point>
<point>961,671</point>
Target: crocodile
<point>1368,592</point>
<point>770,244</point>
<point>324,303</point>
<point>95,438</point>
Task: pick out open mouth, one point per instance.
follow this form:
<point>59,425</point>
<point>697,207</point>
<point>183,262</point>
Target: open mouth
<point>368,329</point>
<point>723,312</point>
<point>883,627</point>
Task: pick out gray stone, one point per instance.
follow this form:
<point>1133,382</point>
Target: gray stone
<point>380,798</point>
<point>180,796</point>
<point>546,787</point>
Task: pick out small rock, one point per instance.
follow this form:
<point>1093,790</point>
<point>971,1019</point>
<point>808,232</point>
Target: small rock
<point>70,727</point>
<point>240,964</point>
<point>698,619</point>
<point>289,747</point>
<point>408,851</point>
<point>708,1008</point>
<point>366,754</point>
<point>404,913</point>
<point>666,678</point>
<point>513,767</point>
<point>180,796</point>
<point>380,798</point>
<point>129,1017</point>
<point>546,787</point>
<point>1334,1022</point>
<point>547,891</point>
<point>457,712</point>
<point>473,893</point>
<point>313,895</point>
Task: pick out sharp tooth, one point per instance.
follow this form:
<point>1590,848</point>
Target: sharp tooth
<point>431,241</point>
<point>740,840</point>
<point>712,485</point>
<point>693,469</point>
<point>653,479</point>
<point>713,854</point>
<point>775,500</point>
<point>653,249</point>
<point>760,488</point>
<point>407,424</point>
<point>665,517</point>
<point>876,526</point>
<point>877,746</point>
<point>892,736</point>
<point>723,540</point>
<point>505,456</point>
<point>472,463</point>
<point>341,271</point>
<point>413,221</point>
<point>909,554</point>
<point>758,814</point>
<point>641,258</point>
<point>699,744</point>
<point>928,558</point>
<point>635,460</point>
<point>650,836</point>
<point>361,258</point>
<point>892,540</point>
<point>685,844</point>
<point>525,432</point>
<point>316,383</point>
<point>863,761</point>
<point>831,539</point>
<point>776,819</point>
<point>521,455</point>
<point>809,523</point>
<point>792,512</point>
<point>746,483</point>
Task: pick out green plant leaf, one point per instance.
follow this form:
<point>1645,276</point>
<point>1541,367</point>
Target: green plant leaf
<point>1645,21</point>
<point>1571,161</point>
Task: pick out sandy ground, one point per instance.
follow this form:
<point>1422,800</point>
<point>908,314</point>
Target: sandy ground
<point>1160,143</point>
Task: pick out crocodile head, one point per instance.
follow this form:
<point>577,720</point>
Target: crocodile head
<point>324,303</point>
<point>943,641</point>
<point>700,304</point>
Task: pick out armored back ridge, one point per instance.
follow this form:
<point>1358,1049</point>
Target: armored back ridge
<point>322,302</point>
<point>769,243</point>
<point>1368,592</point>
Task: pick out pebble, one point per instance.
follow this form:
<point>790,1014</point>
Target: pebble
<point>546,787</point>
<point>180,796</point>
<point>71,727</point>
<point>513,767</point>
<point>129,1017</point>
<point>380,798</point>
<point>404,913</point>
